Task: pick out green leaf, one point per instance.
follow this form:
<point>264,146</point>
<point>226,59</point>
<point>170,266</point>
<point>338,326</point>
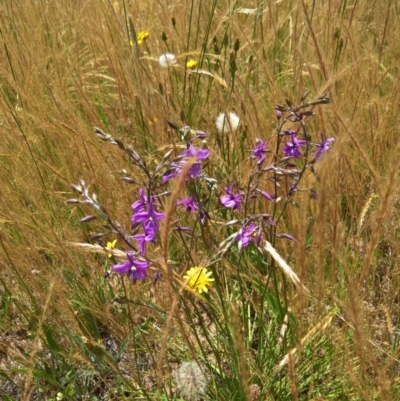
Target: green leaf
<point>43,375</point>
<point>51,340</point>
<point>5,376</point>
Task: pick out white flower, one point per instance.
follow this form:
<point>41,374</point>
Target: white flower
<point>191,380</point>
<point>225,125</point>
<point>167,60</point>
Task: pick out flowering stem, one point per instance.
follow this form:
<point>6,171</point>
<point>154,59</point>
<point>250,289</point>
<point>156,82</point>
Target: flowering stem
<point>278,144</point>
<point>302,171</point>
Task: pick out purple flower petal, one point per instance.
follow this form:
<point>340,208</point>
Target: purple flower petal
<point>122,268</point>
<point>323,146</point>
<point>189,203</point>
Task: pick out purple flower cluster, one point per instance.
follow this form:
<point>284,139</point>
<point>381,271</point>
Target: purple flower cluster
<point>199,155</point>
<point>281,175</point>
<point>144,214</point>
<point>292,147</point>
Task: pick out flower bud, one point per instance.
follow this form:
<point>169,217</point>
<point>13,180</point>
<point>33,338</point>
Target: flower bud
<point>86,219</point>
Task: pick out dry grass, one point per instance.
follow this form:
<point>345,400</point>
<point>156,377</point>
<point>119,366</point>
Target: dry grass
<point>68,66</point>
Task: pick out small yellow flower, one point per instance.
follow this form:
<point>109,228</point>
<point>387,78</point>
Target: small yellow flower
<point>110,246</point>
<point>141,37</point>
<point>191,64</point>
<point>198,278</point>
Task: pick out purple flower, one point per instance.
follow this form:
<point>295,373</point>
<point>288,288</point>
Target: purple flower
<point>322,146</point>
<point>149,220</point>
<point>194,170</point>
<point>135,268</point>
<point>197,153</point>
<point>231,200</point>
<point>148,215</point>
<point>191,205</point>
<point>171,173</point>
<point>292,149</point>
<point>150,228</point>
<point>140,205</point>
<point>260,150</point>
<point>245,235</point>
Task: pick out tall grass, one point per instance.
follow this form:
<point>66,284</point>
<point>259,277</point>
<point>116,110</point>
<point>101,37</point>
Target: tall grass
<point>67,330</point>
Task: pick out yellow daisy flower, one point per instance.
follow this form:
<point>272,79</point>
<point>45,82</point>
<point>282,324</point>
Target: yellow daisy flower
<point>198,278</point>
<point>110,246</point>
<point>191,64</point>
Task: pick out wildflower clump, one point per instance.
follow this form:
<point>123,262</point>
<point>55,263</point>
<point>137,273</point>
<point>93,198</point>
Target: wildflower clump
<point>191,380</point>
<point>198,278</point>
<point>216,211</point>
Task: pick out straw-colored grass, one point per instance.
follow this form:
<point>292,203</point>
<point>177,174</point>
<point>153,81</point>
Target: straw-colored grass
<point>68,66</point>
